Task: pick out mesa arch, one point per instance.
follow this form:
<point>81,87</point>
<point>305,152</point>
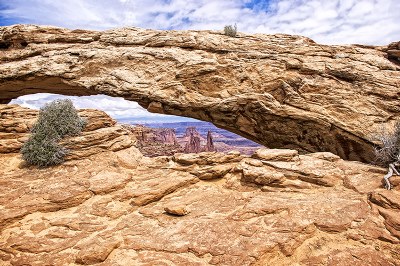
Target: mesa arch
<point>278,90</point>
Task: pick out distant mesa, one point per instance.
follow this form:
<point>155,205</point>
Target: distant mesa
<point>193,144</point>
<point>162,135</point>
<point>210,143</point>
<point>191,131</point>
<point>154,142</point>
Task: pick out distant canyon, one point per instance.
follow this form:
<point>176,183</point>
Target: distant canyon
<point>165,139</point>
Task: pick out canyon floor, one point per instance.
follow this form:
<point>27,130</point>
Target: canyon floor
<point>110,205</point>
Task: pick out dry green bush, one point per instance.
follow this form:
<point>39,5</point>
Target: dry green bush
<point>230,30</point>
<point>42,150</point>
<point>390,150</point>
<point>61,117</point>
<point>56,120</point>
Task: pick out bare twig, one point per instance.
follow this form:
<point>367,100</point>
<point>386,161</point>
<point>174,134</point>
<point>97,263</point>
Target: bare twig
<point>388,155</point>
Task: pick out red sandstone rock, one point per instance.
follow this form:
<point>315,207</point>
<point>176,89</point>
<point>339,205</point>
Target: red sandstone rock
<point>210,144</point>
<point>100,133</point>
<point>193,143</point>
<point>155,141</point>
<point>280,208</point>
<point>279,90</point>
<point>176,210</point>
<point>148,135</point>
<point>191,131</point>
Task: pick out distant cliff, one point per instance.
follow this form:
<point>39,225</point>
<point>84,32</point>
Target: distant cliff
<point>210,143</point>
<point>193,144</point>
<point>147,134</point>
<point>154,142</point>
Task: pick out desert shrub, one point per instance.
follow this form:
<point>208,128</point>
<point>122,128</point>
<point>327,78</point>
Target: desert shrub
<point>61,117</point>
<point>43,150</point>
<point>56,120</point>
<point>230,30</point>
<point>390,150</point>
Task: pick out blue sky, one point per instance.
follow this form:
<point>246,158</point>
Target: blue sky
<point>326,21</point>
<point>373,22</point>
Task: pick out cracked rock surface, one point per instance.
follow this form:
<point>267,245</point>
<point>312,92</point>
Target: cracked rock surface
<point>281,91</point>
<point>117,207</point>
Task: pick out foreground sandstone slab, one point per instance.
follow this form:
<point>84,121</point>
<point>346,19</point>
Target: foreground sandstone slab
<point>110,205</point>
<point>96,211</point>
<point>279,90</point>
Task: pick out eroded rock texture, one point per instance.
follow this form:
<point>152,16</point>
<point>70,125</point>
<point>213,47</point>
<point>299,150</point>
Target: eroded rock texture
<point>193,144</point>
<point>155,141</point>
<point>278,90</point>
<point>210,143</point>
<point>100,133</point>
<point>117,207</point>
<point>147,134</point>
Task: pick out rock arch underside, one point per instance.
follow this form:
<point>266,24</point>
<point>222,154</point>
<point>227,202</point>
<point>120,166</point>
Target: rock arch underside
<point>278,90</point>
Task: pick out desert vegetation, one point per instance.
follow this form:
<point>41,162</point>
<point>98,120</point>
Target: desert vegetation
<point>57,119</point>
<point>230,30</point>
<point>388,154</point>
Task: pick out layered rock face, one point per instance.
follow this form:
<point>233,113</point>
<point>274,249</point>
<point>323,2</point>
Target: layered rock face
<point>193,144</point>
<point>100,133</point>
<point>146,134</point>
<point>154,142</point>
<point>210,143</point>
<point>278,90</point>
<point>191,131</point>
<point>393,51</point>
<point>117,207</point>
<point>167,135</point>
<point>193,141</point>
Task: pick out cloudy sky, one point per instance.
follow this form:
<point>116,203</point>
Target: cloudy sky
<point>374,22</point>
<point>118,108</point>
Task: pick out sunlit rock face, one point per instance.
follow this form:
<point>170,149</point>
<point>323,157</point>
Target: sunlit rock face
<point>393,51</point>
<point>101,132</point>
<point>154,142</point>
<point>147,134</point>
<point>110,205</point>
<point>278,90</point>
<point>210,143</point>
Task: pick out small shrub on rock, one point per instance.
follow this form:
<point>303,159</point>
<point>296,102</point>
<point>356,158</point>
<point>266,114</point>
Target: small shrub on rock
<point>43,150</point>
<point>230,30</point>
<point>388,155</point>
<point>56,120</point>
<point>61,117</point>
<point>390,149</point>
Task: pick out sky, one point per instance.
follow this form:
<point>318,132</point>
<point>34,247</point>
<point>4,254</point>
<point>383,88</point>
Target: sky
<point>375,22</point>
<point>118,108</point>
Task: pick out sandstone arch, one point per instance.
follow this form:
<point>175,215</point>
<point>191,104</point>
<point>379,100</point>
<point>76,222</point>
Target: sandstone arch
<point>278,90</point>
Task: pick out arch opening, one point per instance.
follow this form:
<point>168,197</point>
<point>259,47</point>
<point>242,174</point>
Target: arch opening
<point>277,101</point>
<point>156,134</point>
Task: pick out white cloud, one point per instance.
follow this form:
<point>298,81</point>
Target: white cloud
<point>332,22</point>
<point>326,21</point>
<point>118,108</point>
